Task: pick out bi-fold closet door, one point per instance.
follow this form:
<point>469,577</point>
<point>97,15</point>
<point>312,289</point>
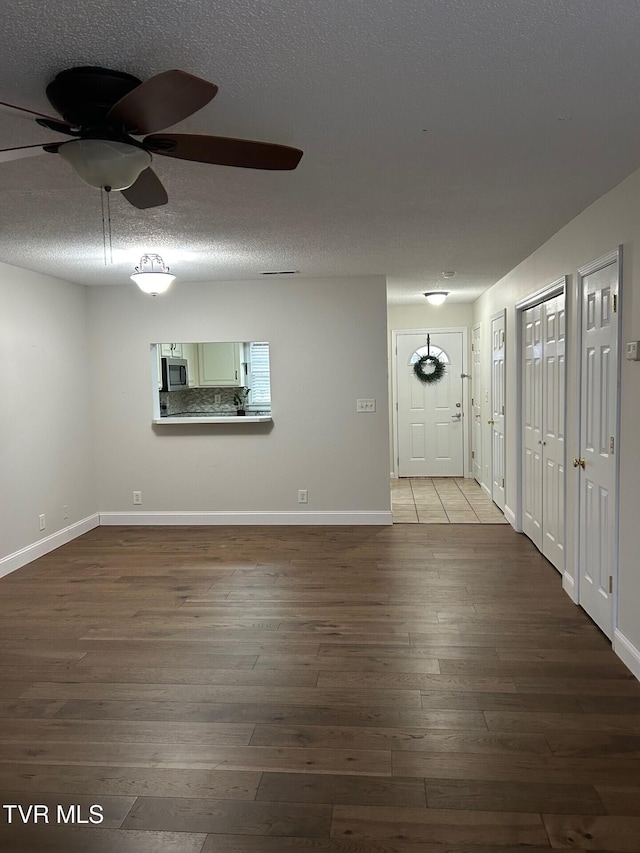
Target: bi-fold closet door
<point>543,427</point>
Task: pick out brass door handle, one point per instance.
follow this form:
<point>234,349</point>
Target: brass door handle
<point>579,462</point>
<point>491,422</point>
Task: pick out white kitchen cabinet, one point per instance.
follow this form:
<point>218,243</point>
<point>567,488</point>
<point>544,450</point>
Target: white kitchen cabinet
<point>186,351</point>
<point>171,350</point>
<point>220,364</point>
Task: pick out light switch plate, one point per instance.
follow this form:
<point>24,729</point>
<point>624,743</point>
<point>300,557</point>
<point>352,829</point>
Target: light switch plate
<point>366,405</point>
<point>633,351</point>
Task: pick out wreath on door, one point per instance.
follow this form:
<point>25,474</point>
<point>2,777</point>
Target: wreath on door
<point>429,368</point>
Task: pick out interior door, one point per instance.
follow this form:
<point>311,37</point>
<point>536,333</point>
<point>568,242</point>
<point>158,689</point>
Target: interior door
<point>532,424</point>
<point>543,418</point>
<point>496,421</point>
<point>429,417</point>
<point>598,429</point>
<point>553,430</point>
<point>476,405</point>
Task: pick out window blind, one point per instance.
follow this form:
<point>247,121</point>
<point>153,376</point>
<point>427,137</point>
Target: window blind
<point>260,373</point>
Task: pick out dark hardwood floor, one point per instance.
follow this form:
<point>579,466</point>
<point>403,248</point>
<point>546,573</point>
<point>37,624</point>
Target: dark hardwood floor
<point>406,689</point>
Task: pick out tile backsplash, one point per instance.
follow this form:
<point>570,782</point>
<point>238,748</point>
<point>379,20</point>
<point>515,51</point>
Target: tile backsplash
<point>197,400</point>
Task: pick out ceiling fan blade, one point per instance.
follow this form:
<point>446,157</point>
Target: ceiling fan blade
<point>22,112</point>
<point>223,151</point>
<point>7,154</point>
<point>161,101</point>
<point>147,191</point>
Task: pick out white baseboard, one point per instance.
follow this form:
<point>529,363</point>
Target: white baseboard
<point>486,490</point>
<point>510,515</point>
<point>234,518</point>
<point>627,652</point>
<point>31,552</point>
<point>569,586</point>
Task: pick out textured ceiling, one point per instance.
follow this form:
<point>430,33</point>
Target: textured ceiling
<point>437,134</point>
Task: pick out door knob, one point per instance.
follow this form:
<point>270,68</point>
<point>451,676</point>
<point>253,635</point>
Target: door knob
<point>457,416</point>
<point>579,462</point>
<point>477,416</point>
<point>491,422</point>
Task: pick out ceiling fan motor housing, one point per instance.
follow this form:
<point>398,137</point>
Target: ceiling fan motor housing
<point>83,96</point>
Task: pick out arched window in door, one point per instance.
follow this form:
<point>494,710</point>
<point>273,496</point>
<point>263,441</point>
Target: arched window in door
<point>431,350</point>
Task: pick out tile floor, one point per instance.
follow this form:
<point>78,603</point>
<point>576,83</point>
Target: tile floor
<point>442,500</point>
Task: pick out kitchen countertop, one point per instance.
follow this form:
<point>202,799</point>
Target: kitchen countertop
<point>210,418</point>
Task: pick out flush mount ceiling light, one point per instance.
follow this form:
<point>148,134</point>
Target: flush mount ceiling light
<point>436,297</point>
<point>152,275</point>
<point>104,163</point>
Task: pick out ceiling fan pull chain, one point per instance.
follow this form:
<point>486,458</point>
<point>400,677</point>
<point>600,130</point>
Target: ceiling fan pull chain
<point>104,229</point>
<point>106,223</point>
<point>108,192</point>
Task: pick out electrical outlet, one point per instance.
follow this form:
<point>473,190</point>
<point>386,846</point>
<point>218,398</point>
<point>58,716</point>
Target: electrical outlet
<point>366,405</point>
<point>217,399</point>
<point>65,511</point>
<point>137,498</point>
<point>42,521</point>
<point>303,496</point>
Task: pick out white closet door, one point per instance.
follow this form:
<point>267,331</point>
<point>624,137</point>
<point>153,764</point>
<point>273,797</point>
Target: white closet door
<point>532,424</point>
<point>476,405</point>
<point>598,429</point>
<point>553,443</point>
<point>496,421</point>
<point>543,419</point>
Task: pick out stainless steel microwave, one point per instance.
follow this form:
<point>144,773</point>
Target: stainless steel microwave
<point>175,375</point>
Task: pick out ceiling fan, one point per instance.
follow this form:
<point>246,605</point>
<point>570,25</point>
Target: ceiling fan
<point>103,110</point>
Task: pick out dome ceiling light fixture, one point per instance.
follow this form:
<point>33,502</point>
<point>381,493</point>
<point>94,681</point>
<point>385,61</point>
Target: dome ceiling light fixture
<point>105,163</point>
<point>152,275</point>
<point>436,297</point>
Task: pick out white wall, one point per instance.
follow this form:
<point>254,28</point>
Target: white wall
<point>425,316</point>
<point>46,456</point>
<point>612,220</point>
<point>327,348</point>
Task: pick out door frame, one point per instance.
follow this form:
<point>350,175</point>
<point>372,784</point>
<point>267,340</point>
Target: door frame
<point>573,584</point>
<point>556,288</point>
<point>466,398</point>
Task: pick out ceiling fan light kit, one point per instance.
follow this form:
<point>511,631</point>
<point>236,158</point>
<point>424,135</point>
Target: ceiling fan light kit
<point>152,275</point>
<point>105,163</point>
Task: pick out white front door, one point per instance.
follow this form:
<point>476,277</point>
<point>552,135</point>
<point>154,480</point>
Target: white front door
<point>596,464</point>
<point>476,406</point>
<point>429,420</point>
<point>496,421</point>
